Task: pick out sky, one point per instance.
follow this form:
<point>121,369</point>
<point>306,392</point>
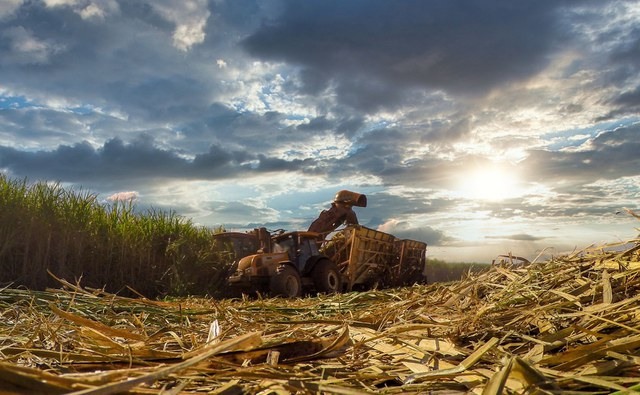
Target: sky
<point>480,127</point>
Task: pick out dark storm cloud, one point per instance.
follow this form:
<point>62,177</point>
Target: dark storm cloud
<point>266,164</point>
<point>380,152</point>
<point>247,128</point>
<point>626,54</point>
<point>138,160</point>
<point>440,132</point>
<point>627,103</point>
<point>81,162</point>
<point>347,125</point>
<point>124,62</point>
<point>41,125</point>
<point>217,159</point>
<point>375,50</point>
<point>222,121</point>
<point>609,156</point>
<point>384,153</point>
<point>367,94</point>
<point>259,132</point>
<point>630,98</point>
<point>377,157</point>
<point>623,68</point>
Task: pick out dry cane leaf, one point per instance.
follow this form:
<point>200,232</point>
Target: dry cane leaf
<point>248,340</point>
<point>97,326</point>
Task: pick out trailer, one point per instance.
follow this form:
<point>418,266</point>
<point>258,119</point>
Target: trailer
<point>369,258</point>
<point>354,258</point>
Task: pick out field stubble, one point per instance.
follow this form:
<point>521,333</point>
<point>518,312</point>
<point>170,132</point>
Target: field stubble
<point>567,325</point>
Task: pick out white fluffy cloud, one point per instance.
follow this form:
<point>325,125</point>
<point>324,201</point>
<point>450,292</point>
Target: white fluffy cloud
<point>88,9</point>
<point>190,19</point>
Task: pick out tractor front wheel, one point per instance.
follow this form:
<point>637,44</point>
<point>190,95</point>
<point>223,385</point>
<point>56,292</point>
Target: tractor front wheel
<point>286,282</point>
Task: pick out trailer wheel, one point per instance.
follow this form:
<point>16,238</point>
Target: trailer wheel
<point>286,282</point>
<point>326,277</point>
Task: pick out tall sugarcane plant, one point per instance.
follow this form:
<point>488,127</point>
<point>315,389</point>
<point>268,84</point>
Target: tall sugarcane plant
<point>49,231</point>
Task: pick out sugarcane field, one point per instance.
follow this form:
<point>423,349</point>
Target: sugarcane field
<point>319,197</point>
<point>568,325</point>
<point>564,325</point>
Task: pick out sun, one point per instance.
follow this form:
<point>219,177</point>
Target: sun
<point>491,183</point>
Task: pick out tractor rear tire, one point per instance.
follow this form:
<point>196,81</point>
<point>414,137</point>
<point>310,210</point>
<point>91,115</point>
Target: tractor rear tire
<point>286,282</point>
<point>326,277</point>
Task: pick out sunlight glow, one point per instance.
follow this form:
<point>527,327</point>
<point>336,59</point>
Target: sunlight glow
<point>490,183</point>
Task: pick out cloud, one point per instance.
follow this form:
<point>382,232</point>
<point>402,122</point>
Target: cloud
<point>88,9</point>
<point>128,45</point>
<point>239,214</point>
<point>190,18</point>
<point>25,48</point>
<point>404,230</point>
<point>607,156</point>
<point>128,196</point>
<point>9,7</point>
<point>253,112</point>
<point>139,161</point>
<point>449,131</point>
<point>625,104</point>
<point>610,155</point>
<point>517,237</point>
<point>629,98</point>
<point>374,50</point>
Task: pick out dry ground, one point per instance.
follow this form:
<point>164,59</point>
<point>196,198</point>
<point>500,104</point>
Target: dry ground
<point>568,325</point>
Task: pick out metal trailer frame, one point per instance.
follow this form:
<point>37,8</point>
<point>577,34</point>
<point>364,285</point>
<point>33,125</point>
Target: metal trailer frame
<point>372,258</point>
<point>411,262</point>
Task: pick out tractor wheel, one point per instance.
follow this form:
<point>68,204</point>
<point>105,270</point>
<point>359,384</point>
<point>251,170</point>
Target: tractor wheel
<point>326,277</point>
<point>286,282</point>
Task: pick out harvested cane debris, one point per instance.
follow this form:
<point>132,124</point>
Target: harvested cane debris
<point>567,325</point>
